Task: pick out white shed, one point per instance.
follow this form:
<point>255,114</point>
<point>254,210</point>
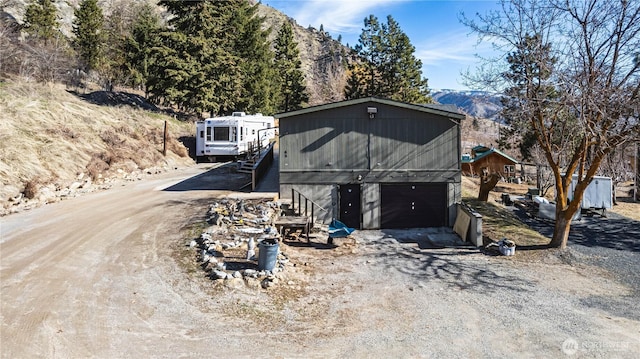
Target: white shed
<point>599,193</point>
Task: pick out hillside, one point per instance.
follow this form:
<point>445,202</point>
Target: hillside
<point>478,104</point>
<point>52,140</point>
<point>323,59</point>
<point>54,143</point>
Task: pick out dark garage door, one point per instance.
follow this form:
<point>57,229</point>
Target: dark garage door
<point>413,205</point>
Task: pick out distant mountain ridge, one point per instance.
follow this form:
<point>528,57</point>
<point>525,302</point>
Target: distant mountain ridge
<point>479,104</point>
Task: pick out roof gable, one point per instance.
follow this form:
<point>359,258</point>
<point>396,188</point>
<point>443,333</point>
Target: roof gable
<point>489,152</point>
<point>436,109</point>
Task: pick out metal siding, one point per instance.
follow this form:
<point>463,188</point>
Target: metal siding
<point>324,149</point>
<point>334,139</point>
<point>404,139</point>
<point>323,195</point>
<point>371,206</point>
<point>344,177</point>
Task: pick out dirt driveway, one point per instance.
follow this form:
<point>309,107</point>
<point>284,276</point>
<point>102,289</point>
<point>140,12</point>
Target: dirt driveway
<point>108,275</point>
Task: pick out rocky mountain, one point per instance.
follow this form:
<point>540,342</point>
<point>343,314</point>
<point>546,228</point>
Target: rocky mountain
<point>323,58</point>
<point>478,104</point>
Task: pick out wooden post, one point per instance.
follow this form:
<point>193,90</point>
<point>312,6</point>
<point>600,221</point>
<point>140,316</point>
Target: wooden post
<point>637,178</point>
<point>253,179</point>
<point>164,140</point>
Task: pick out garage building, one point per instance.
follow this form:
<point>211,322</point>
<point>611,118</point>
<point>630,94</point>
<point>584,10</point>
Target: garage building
<point>374,163</point>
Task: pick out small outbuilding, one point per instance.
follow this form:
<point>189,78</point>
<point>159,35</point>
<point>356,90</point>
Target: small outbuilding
<point>491,158</point>
<point>374,163</point>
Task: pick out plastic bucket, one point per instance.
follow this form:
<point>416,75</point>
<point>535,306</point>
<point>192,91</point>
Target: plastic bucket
<point>267,254</point>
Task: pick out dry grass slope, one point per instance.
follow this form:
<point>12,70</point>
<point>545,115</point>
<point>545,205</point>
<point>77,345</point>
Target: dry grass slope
<point>50,136</point>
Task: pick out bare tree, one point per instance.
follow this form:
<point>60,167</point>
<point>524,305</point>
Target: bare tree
<point>618,165</point>
<point>488,181</point>
<point>7,3</point>
<point>47,61</point>
<point>10,51</point>
<point>595,75</point>
<point>544,175</point>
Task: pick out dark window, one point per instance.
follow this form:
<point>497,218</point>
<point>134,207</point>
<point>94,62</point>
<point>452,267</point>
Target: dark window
<point>221,133</point>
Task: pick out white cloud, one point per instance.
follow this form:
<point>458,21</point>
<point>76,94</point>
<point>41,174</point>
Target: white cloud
<point>445,56</point>
<point>458,47</point>
<point>338,16</point>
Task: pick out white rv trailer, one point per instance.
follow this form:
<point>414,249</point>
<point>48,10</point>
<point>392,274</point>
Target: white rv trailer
<point>232,136</point>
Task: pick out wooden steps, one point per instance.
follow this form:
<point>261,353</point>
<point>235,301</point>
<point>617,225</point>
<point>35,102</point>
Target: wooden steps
<point>247,166</point>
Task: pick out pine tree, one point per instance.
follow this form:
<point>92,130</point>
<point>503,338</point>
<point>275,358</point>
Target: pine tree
<point>251,45</point>
<point>292,90</point>
<point>365,76</point>
<point>530,68</point>
<point>40,20</point>
<point>387,66</point>
<point>401,70</point>
<point>139,44</point>
<point>89,34</point>
<point>194,67</point>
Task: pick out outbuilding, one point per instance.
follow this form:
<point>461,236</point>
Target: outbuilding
<point>374,163</point>
<point>494,160</point>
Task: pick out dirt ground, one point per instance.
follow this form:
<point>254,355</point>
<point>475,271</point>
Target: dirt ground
<point>109,275</point>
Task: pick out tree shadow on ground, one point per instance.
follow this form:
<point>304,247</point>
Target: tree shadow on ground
<point>613,232</point>
<point>189,142</point>
<point>121,98</point>
<point>312,243</point>
<point>224,177</point>
<point>453,266</point>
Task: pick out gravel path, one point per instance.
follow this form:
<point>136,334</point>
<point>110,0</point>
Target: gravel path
<point>108,275</point>
<point>612,243</point>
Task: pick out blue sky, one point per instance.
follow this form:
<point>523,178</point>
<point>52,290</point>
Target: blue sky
<point>444,45</point>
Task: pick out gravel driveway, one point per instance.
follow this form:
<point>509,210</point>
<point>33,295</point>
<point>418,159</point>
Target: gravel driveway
<point>612,243</point>
<point>108,275</point>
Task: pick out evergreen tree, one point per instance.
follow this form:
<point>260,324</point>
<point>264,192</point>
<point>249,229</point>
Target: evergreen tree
<point>194,67</point>
<point>530,68</point>
<point>139,44</point>
<point>40,20</point>
<point>365,76</point>
<point>89,34</point>
<point>292,90</point>
<point>214,57</point>
<point>401,70</point>
<point>251,45</point>
<point>387,66</point>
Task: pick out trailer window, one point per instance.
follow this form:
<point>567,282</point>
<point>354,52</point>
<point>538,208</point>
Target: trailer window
<point>221,133</point>
<point>241,133</point>
<point>201,134</point>
<point>234,134</point>
<point>208,133</point>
